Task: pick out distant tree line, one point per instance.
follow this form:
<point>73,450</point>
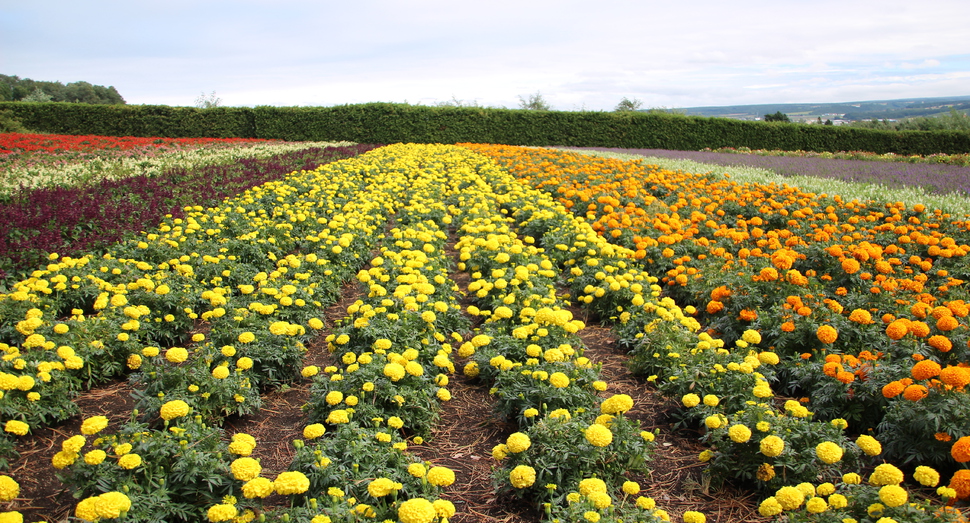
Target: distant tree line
<point>953,121</point>
<point>15,89</point>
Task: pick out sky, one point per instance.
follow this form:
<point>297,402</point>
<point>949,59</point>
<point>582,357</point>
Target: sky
<point>577,55</point>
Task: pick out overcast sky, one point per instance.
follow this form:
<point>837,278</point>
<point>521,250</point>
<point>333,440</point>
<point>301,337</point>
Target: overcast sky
<point>579,55</point>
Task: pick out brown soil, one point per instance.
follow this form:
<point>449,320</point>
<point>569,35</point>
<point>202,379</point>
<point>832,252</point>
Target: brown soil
<point>463,440</point>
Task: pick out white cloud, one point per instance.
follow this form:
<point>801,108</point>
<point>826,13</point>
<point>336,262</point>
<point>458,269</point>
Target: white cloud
<point>293,52</point>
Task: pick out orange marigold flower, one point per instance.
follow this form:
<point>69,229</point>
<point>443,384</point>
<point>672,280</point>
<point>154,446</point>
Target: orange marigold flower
<point>960,482</point>
<point>837,358</point>
<point>956,377</point>
<point>850,265</point>
<point>925,370</point>
<point>827,334</point>
<point>803,311</point>
<point>897,329</point>
<point>961,450</point>
<point>788,326</point>
<point>919,328</point>
<point>941,343</point>
<point>915,392</point>
<point>942,436</point>
<point>860,316</point>
<point>892,389</point>
<point>947,323</point>
<point>713,307</point>
<point>832,369</point>
<point>845,377</point>
<point>748,314</point>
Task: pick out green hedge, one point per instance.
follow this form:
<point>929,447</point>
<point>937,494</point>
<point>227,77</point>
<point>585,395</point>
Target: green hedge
<point>390,123</point>
<point>134,120</point>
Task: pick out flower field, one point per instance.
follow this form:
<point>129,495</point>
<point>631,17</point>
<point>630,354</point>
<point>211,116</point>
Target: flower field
<point>817,345</point>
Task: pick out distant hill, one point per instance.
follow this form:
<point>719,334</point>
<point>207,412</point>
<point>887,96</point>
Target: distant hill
<point>848,111</point>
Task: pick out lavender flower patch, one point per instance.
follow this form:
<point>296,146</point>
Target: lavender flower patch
<point>932,178</point>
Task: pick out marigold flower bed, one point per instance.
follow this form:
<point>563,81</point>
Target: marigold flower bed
<point>736,300</point>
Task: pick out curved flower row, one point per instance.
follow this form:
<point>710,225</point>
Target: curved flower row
<point>573,448</point>
<point>750,437</point>
<point>252,297</point>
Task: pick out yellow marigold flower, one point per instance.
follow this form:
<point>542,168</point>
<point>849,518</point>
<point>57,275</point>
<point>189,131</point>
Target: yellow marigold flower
<point>828,452</point>
<point>816,505</point>
<point>590,485</point>
<point>893,495</point>
<point>692,516</point>
<point>112,504</point>
<point>309,371</point>
<point>770,507</point>
<point>558,380</point>
<point>851,478</point>
<point>518,442</point>
<point>713,421</point>
<point>9,488</point>
<point>646,503</point>
<point>314,431</point>
<point>600,499</point>
<point>825,489</point>
<point>16,427</point>
<point>927,476</point>
<point>334,397</point>
<point>616,404</point>
<point>444,508</point>
<point>705,455</point>
<point>789,498</point>
<point>381,487</point>
<point>246,337</point>
<point>337,417</point>
<point>739,433</point>
<point>221,372</point>
<point>86,509</point>
<point>129,461</point>
<point>522,476</point>
<point>441,476</point>
<point>174,409</point>
<point>222,512</point>
<point>869,445</point>
<point>838,501</point>
<point>176,354</point>
<point>244,363</point>
<point>73,444</point>
<point>394,371</point>
<point>886,474</point>
<point>258,488</point>
<point>416,510</point>
<point>292,482</point>
<point>711,400</point>
<point>417,470</point>
<point>690,400</point>
<point>245,468</point>
<point>598,435</point>
<point>631,488</point>
<point>95,457</point>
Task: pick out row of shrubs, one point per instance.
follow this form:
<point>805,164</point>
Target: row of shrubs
<point>390,123</point>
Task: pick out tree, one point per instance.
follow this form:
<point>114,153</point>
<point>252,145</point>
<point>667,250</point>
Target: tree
<point>627,105</point>
<point>37,96</point>
<point>535,103</point>
<point>208,102</point>
<point>777,117</point>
